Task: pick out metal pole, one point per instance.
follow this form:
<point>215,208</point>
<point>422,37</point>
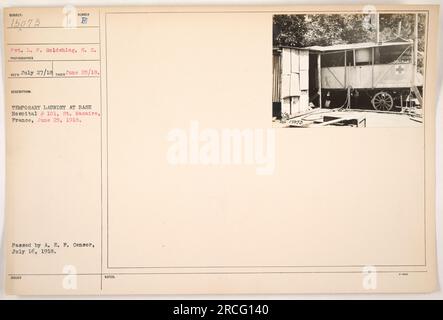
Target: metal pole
<point>377,27</point>
<point>348,98</point>
<point>319,79</point>
<point>372,70</point>
<point>415,50</point>
<point>346,68</point>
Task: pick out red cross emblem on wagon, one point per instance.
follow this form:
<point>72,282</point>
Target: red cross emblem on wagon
<point>399,69</point>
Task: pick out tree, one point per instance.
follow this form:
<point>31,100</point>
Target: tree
<point>321,29</point>
<point>329,29</point>
<point>288,30</point>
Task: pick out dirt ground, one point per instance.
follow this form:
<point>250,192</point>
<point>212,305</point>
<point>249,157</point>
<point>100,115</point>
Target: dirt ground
<point>367,118</point>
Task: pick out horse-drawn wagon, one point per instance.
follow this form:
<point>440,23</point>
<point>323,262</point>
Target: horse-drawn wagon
<point>385,73</point>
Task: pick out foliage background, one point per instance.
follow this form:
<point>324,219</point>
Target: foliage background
<point>329,29</point>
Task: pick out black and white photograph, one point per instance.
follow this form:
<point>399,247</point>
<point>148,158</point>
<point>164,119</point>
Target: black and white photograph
<point>355,70</point>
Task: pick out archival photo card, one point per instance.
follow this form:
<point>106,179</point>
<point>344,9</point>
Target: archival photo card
<point>356,70</point>
<point>141,157</point>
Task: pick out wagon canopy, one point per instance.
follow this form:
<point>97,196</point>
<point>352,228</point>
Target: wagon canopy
<point>351,46</point>
<point>368,65</point>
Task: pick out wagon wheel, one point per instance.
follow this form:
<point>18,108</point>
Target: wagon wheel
<point>382,101</point>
